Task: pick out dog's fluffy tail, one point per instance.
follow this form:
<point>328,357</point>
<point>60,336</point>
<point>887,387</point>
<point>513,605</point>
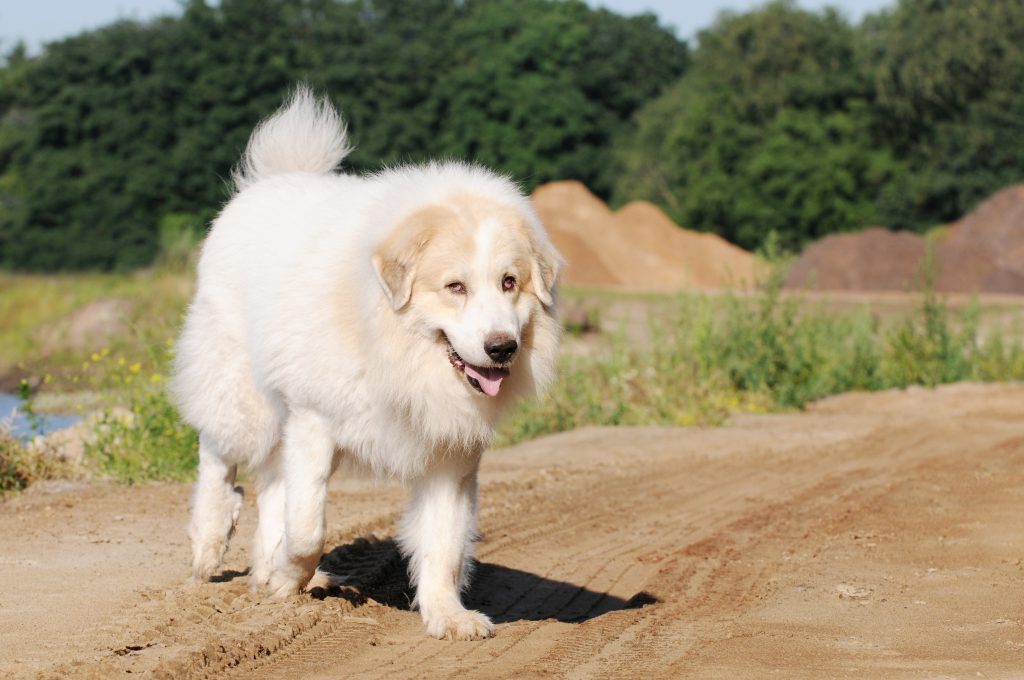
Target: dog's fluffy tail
<point>305,135</point>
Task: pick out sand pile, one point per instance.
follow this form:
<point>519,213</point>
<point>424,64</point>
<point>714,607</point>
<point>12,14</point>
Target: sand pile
<point>982,253</point>
<point>873,259</point>
<point>637,247</point>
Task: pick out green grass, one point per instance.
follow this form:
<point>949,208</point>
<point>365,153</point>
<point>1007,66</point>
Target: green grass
<point>34,308</point>
<point>712,357</point>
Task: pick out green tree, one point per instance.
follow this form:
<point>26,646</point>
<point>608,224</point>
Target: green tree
<point>948,76</point>
<point>107,133</point>
<point>770,130</point>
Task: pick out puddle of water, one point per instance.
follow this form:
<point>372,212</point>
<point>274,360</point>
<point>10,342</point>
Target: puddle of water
<point>20,425</point>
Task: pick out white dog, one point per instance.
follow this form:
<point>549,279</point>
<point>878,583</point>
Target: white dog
<point>386,321</point>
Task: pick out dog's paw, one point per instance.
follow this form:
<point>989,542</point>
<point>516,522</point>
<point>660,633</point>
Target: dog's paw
<point>206,561</point>
<point>281,585</point>
<point>259,577</point>
<point>458,624</point>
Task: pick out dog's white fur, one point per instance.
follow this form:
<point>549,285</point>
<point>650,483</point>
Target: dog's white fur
<point>320,333</point>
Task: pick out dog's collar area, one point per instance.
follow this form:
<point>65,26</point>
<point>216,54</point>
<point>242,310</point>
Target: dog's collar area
<point>483,379</point>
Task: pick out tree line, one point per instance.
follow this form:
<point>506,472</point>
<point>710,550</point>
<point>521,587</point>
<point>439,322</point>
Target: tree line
<point>779,120</point>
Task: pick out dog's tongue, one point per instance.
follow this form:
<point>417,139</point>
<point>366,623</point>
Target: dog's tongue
<point>489,378</point>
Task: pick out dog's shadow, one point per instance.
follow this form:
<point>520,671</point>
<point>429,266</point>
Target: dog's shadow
<point>374,569</point>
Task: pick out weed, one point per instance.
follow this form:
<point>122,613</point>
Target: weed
<point>717,356</point>
<point>21,465</point>
<point>137,435</point>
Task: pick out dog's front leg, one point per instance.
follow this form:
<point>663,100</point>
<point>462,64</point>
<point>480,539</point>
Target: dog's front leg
<point>437,535</point>
<point>307,454</point>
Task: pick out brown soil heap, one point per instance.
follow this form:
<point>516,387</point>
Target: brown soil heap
<point>982,253</point>
<point>637,247</point>
<point>873,259</point>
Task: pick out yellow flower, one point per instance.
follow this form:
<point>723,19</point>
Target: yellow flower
<point>135,368</point>
<point>47,379</point>
<point>127,379</point>
<point>74,379</point>
<point>121,361</point>
<point>155,378</point>
<point>95,356</point>
<point>85,365</point>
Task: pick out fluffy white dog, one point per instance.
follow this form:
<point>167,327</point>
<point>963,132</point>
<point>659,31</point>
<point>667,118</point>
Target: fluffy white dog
<point>383,321</point>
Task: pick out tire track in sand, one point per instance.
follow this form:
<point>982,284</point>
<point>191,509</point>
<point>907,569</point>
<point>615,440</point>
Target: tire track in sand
<point>652,552</point>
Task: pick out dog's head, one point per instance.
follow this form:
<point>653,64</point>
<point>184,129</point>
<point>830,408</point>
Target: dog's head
<point>475,276</point>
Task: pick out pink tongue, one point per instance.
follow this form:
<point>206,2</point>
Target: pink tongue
<point>489,378</point>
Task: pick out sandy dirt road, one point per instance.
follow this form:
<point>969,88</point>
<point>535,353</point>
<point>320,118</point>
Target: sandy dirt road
<point>872,536</point>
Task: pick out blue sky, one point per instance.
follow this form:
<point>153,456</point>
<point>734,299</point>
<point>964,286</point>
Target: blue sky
<point>38,21</point>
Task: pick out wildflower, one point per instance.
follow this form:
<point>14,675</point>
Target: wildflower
<point>95,356</point>
<point>155,378</point>
<point>121,361</point>
<point>127,380</point>
<point>135,368</point>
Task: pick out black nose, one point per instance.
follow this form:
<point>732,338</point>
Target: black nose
<point>500,347</point>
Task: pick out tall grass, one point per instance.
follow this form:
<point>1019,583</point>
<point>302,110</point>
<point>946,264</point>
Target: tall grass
<point>712,357</point>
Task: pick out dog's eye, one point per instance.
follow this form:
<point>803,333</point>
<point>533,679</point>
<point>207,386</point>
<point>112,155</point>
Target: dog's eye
<point>457,287</point>
<point>508,283</point>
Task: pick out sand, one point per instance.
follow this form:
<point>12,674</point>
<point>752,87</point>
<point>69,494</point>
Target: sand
<point>637,247</point>
<point>874,259</point>
<point>873,536</point>
<point>984,251</point>
<point>981,253</point>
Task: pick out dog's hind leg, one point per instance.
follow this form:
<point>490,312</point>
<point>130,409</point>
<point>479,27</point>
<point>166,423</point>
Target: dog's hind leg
<point>215,507</point>
<point>270,502</point>
<point>307,460</point>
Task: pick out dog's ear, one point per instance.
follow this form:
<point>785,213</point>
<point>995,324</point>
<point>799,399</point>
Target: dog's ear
<point>546,265</point>
<point>396,257</point>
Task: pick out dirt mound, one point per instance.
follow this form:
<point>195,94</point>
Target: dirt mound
<point>567,209</point>
<point>984,251</point>
<point>981,253</point>
<point>88,327</point>
<point>873,259</point>
<point>637,247</point>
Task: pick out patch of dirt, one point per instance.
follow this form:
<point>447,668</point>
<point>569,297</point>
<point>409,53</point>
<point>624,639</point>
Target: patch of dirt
<point>874,259</point>
<point>874,536</point>
<point>88,327</point>
<point>636,247</point>
<point>981,253</point>
<point>984,251</point>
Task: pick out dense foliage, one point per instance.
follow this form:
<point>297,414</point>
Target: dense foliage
<point>109,138</point>
<point>782,120</point>
<point>799,123</point>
